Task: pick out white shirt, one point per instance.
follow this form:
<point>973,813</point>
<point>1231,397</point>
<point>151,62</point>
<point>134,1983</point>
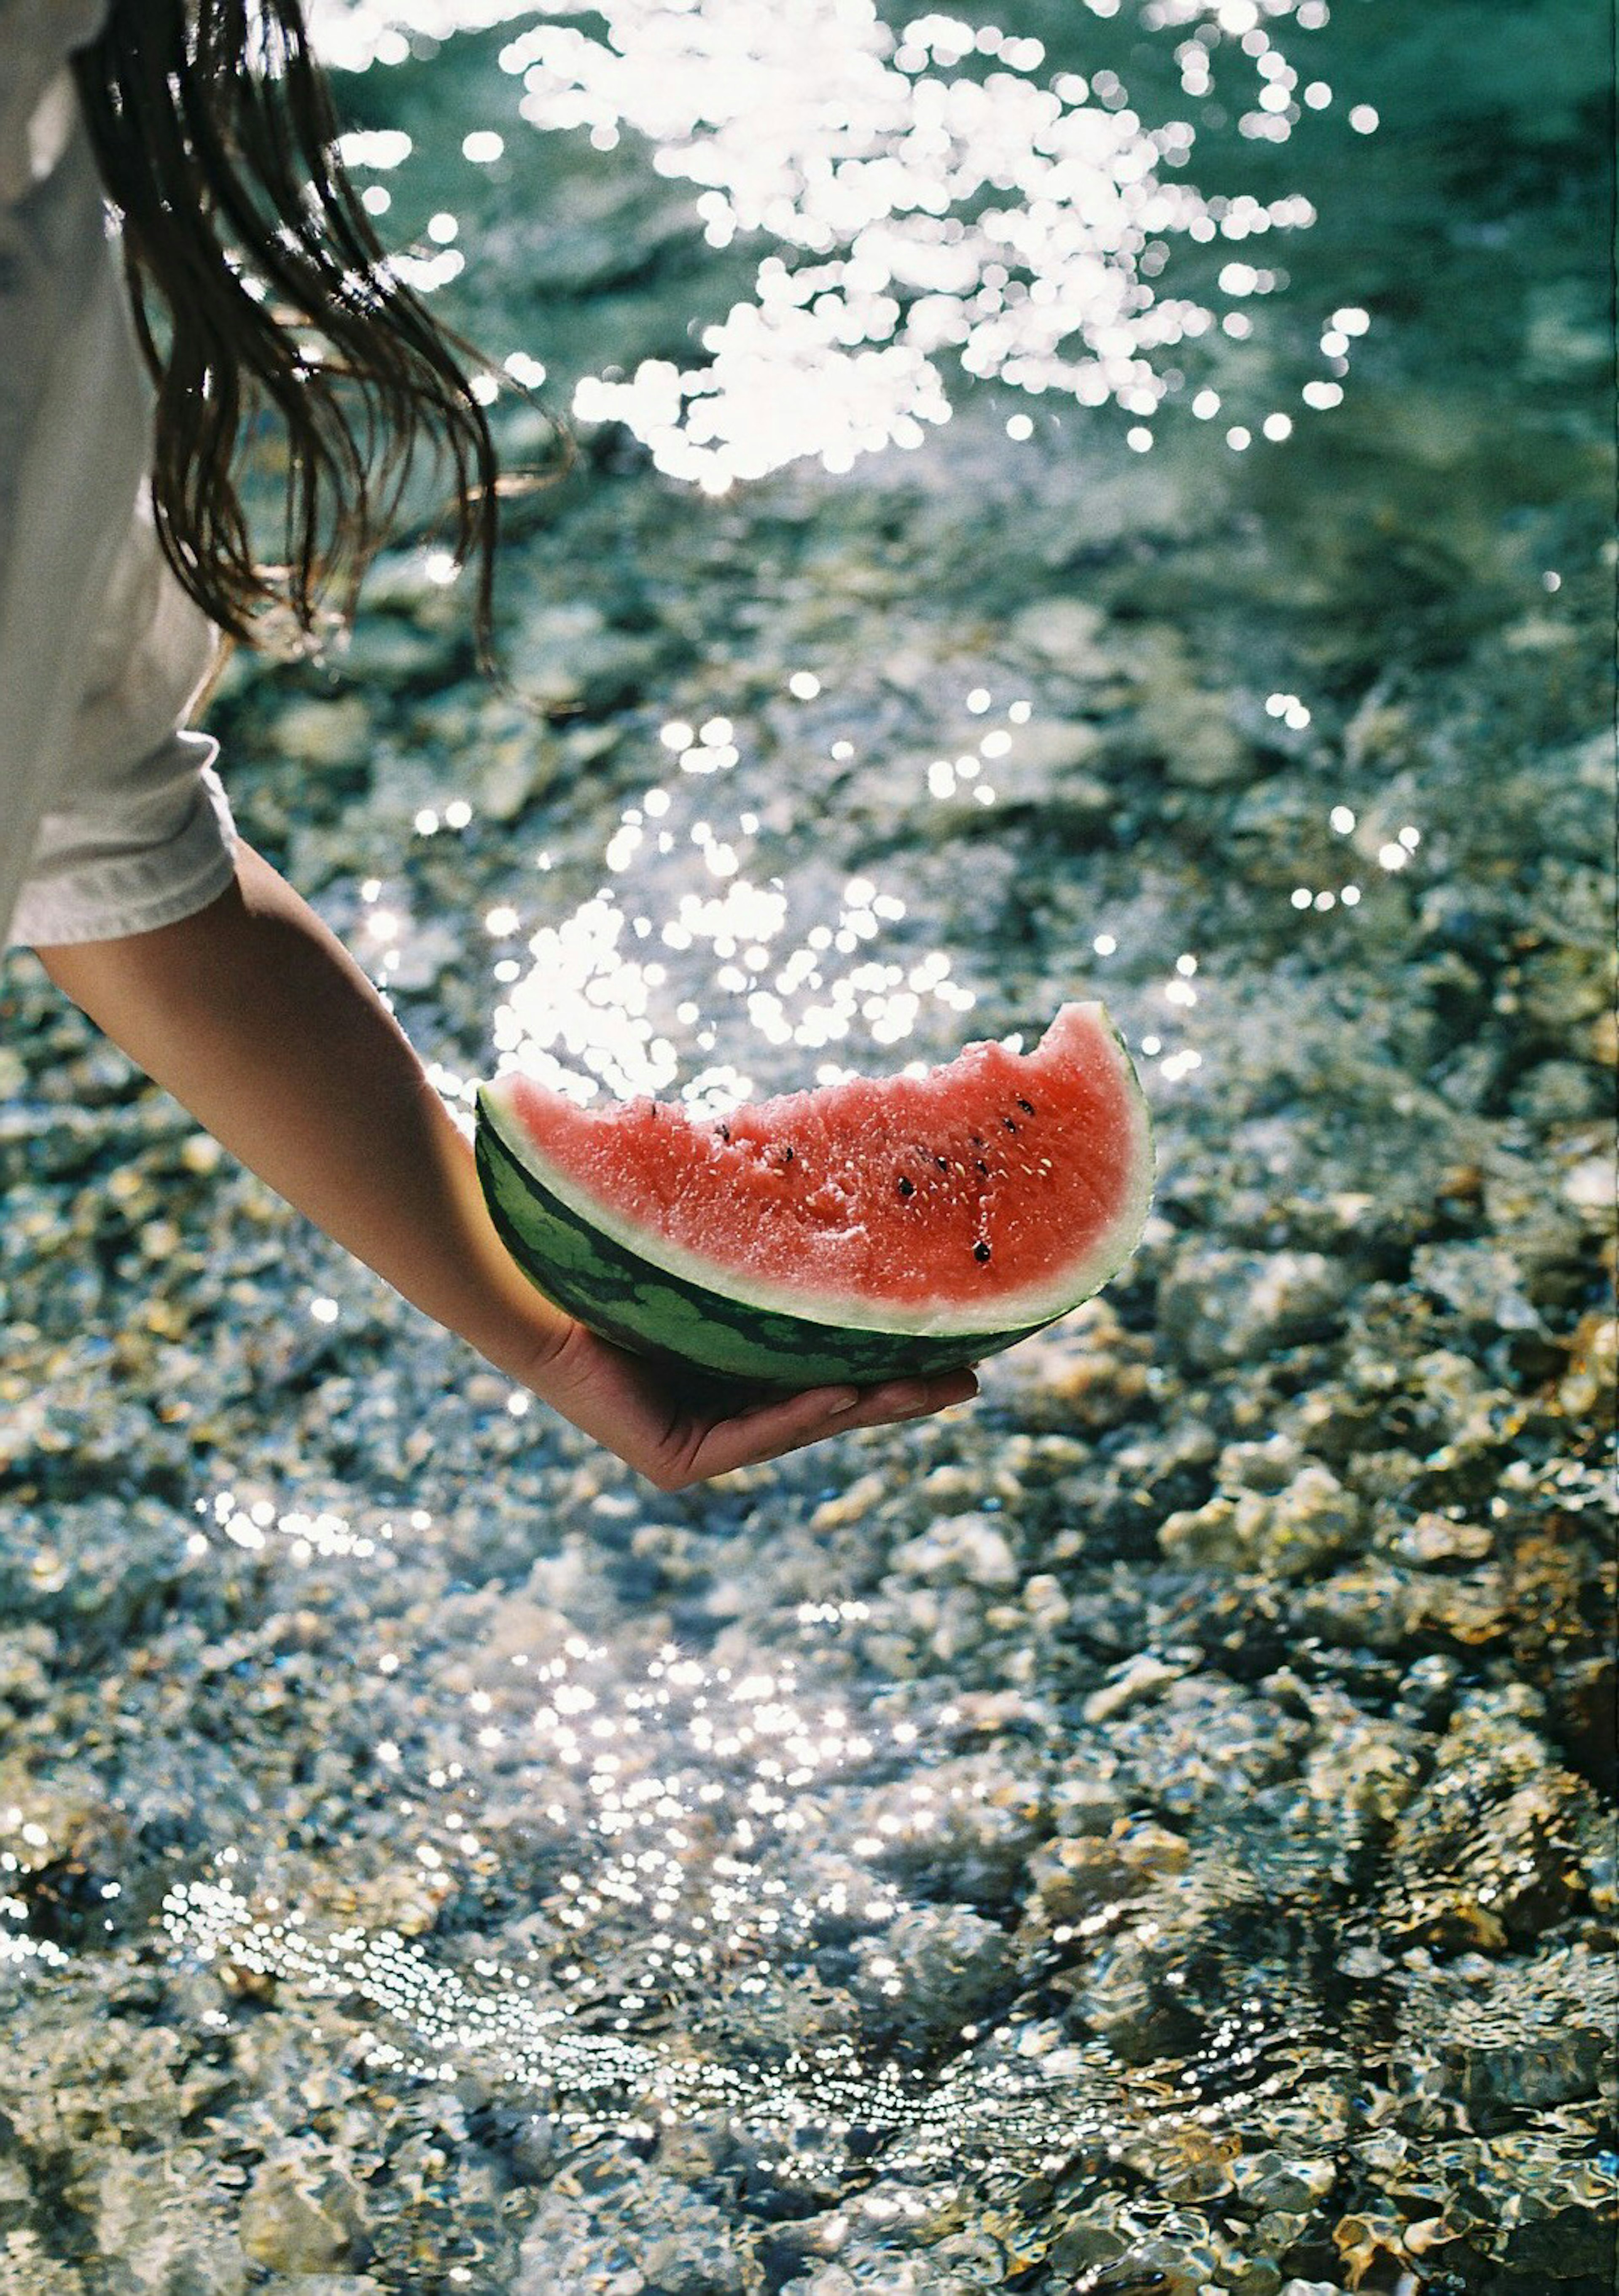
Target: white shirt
<point>111,820</point>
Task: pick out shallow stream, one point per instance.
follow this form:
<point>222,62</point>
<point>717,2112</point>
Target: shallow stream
<point>1113,503</point>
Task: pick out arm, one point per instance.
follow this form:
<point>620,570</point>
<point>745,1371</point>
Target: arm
<point>258,1020</point>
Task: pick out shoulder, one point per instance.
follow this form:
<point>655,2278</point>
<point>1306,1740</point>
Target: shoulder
<point>36,38</point>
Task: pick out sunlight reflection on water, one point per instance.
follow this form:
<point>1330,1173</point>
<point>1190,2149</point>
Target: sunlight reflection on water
<point>675,1826</point>
<point>926,194</point>
<point>614,990</point>
<point>934,203</point>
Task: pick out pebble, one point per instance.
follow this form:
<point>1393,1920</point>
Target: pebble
<point>1479,1283</point>
<point>300,2219</point>
<point>1288,1535</point>
<point>1218,1306</point>
<point>646,2233</point>
<point>934,1969</point>
<point>964,1547</point>
<point>1069,633</point>
<point>1138,1678</point>
<point>328,734</point>
<point>1045,769</point>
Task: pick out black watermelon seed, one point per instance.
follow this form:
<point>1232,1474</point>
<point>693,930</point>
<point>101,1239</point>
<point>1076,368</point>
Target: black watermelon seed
<point>982,1165</point>
<point>943,1163</point>
<point>907,1187</point>
<point>980,1252</point>
<point>1027,1106</point>
<point>1007,1121</point>
<point>787,1155</point>
<point>725,1132</point>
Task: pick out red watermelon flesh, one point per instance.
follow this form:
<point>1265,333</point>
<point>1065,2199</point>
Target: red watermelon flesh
<point>1003,1185</point>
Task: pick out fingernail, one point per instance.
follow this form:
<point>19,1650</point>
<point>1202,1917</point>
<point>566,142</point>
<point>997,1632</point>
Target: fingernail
<point>840,1398</point>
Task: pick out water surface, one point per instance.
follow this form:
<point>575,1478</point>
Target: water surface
<point>1038,528</point>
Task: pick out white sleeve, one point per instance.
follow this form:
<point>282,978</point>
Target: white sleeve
<point>137,832</point>
<point>156,846</point>
<point>110,819</point>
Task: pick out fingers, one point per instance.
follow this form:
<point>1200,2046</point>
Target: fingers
<point>913,1399</point>
<point>767,1432</point>
<point>626,1404</point>
<point>775,1429</point>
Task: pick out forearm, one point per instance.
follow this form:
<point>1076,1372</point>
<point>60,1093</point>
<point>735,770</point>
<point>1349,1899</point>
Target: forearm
<point>260,1024</point>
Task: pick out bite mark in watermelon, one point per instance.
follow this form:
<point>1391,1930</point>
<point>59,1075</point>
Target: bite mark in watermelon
<point>877,1228</point>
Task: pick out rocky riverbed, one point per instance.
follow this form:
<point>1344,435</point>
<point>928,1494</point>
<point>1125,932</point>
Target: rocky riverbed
<point>1150,1830</point>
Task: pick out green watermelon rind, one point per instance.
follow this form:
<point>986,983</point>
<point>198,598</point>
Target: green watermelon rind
<point>626,1298</point>
<point>653,1296</point>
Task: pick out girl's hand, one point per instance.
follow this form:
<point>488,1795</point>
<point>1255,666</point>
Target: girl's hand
<point>624,1402</point>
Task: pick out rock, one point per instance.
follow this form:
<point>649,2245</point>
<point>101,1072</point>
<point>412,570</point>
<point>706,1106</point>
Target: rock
<point>1492,1847</point>
<point>936,1968</point>
<point>968,1824</point>
<point>1563,986</point>
<point>300,2216</point>
<point>851,1505</point>
<point>568,657</point>
<point>964,1547</point>
<point>1068,633</point>
<point>1286,1537</point>
<point>1498,2079</point>
<point>642,2230</point>
<point>1074,1874</point>
<point>513,773</point>
<point>328,733</point>
<point>156,2247</point>
<point>1169,2266</point>
<point>1587,1386</point>
<point>1087,1372</point>
<point>1251,2275</point>
<point>1561,1092</point>
<point>959,793</point>
<point>1434,1540</point>
<point>1563,2245</point>
<point>1218,1306</point>
<point>388,650</point>
<point>1045,767</point>
<point>1192,732</point>
<point>1589,1186</point>
<point>1145,1675</point>
<point>1205,1747</point>
<point>1268,1466</point>
<point>426,952</point>
<point>1362,1772</point>
<point>320,2284</point>
<point>1280,833</point>
<point>1479,1283</point>
<point>1271,2180</point>
<point>1546,1232</point>
<point>1131,1999</point>
<point>1087,1803</point>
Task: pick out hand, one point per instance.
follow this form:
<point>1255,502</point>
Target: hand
<point>626,1403</point>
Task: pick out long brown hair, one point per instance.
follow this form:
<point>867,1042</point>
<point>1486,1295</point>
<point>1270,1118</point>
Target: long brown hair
<point>216,136</point>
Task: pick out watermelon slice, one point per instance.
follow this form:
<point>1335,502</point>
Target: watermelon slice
<point>864,1231</point>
